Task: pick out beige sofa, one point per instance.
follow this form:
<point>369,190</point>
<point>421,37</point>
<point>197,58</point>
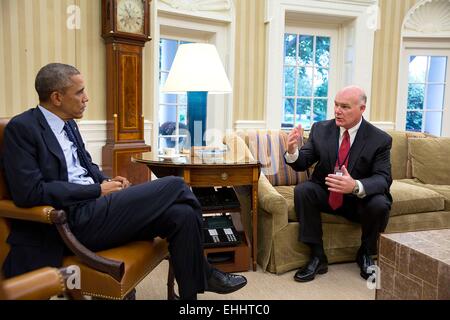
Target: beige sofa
<point>421,193</point>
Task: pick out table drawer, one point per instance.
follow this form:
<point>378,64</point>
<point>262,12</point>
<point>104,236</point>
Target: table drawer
<point>221,177</point>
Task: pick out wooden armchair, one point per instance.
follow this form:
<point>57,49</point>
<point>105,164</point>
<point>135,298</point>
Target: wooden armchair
<point>108,274</point>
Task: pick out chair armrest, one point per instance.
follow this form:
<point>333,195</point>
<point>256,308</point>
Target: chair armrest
<point>114,268</point>
<point>35,285</point>
<point>47,214</point>
<point>38,214</point>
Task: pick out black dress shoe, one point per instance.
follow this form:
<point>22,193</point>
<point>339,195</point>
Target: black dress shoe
<point>364,261</point>
<point>222,282</point>
<point>308,272</point>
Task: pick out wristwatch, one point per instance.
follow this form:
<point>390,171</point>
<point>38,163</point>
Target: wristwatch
<point>355,190</point>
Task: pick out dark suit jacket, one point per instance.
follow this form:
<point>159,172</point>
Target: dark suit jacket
<point>369,159</point>
<point>36,174</point>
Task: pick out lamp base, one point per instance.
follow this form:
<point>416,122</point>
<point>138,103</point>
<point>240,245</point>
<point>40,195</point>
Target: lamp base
<point>196,116</point>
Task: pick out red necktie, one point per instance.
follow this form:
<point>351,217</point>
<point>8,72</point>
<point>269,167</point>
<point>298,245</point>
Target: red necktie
<point>336,199</point>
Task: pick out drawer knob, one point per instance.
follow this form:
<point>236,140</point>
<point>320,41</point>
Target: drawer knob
<point>224,176</point>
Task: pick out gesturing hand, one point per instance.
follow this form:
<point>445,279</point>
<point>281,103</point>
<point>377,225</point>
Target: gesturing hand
<point>341,184</point>
<point>293,139</point>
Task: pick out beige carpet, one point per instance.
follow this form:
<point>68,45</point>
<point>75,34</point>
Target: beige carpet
<point>342,282</point>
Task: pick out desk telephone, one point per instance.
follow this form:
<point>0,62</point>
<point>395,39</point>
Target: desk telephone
<point>219,231</point>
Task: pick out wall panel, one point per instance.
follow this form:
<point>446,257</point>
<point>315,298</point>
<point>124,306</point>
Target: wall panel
<point>386,59</point>
<point>248,85</point>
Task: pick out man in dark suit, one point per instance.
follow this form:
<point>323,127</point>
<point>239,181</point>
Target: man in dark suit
<point>46,163</point>
<point>351,178</point>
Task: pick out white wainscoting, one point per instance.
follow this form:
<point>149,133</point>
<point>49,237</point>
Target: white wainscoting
<point>94,136</point>
<point>384,125</point>
<point>249,125</point>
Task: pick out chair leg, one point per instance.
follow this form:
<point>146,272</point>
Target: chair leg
<point>131,295</point>
<point>171,283</point>
<point>74,294</point>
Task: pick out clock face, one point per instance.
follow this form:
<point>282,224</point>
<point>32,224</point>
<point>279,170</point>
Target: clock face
<point>130,16</point>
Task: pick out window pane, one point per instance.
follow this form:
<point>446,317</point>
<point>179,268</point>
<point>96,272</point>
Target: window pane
<point>306,50</point>
<point>320,109</point>
<point>168,49</point>
<point>290,48</point>
<point>433,123</point>
<point>416,93</point>
<point>182,114</point>
<point>288,112</point>
<point>323,51</point>
<point>418,69</point>
<point>305,82</point>
<point>438,66</point>
<point>182,98</point>
<point>166,98</point>
<point>289,81</point>
<point>414,121</point>
<point>167,113</point>
<point>321,83</point>
<point>303,115</point>
<point>435,96</point>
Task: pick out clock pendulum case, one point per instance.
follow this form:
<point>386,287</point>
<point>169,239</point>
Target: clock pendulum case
<point>125,29</point>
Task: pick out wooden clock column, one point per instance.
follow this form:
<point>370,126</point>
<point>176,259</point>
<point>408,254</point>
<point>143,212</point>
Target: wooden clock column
<point>125,120</point>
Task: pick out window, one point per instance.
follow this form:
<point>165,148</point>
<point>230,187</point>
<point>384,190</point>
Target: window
<point>424,98</point>
<point>426,93</point>
<point>172,107</point>
<point>305,79</point>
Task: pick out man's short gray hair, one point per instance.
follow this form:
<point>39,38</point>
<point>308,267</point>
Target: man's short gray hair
<point>363,98</point>
<point>53,77</point>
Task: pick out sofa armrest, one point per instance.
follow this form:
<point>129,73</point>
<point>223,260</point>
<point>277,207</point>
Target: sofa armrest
<point>273,203</point>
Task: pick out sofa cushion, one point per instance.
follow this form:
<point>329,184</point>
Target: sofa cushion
<point>429,160</point>
<point>443,190</point>
<point>399,152</point>
<point>409,198</point>
<point>269,147</point>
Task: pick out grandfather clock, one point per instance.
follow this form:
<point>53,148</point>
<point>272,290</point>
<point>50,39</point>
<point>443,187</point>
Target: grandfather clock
<point>125,29</point>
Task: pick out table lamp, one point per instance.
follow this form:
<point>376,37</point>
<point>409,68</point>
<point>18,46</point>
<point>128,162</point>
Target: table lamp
<point>198,71</point>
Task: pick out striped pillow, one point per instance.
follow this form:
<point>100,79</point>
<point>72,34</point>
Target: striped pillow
<point>269,147</point>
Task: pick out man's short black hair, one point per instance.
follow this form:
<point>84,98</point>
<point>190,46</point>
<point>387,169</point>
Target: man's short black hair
<point>53,77</point>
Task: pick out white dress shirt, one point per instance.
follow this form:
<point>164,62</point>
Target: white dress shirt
<point>75,172</point>
<point>291,158</point>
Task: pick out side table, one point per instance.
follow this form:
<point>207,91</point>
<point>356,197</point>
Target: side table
<point>198,172</point>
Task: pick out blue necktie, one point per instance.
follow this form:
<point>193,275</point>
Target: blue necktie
<point>84,162</point>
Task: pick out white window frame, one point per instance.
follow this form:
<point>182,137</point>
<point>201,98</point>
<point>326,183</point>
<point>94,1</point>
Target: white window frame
<point>207,27</point>
<point>355,52</point>
<point>422,47</point>
<point>335,68</point>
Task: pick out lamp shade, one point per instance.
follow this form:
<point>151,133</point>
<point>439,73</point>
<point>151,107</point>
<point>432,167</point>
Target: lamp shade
<point>197,67</point>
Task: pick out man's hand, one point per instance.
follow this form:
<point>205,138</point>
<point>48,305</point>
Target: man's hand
<point>341,184</point>
<point>113,185</point>
<point>293,139</point>
<point>124,181</point>
<point>109,186</point>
